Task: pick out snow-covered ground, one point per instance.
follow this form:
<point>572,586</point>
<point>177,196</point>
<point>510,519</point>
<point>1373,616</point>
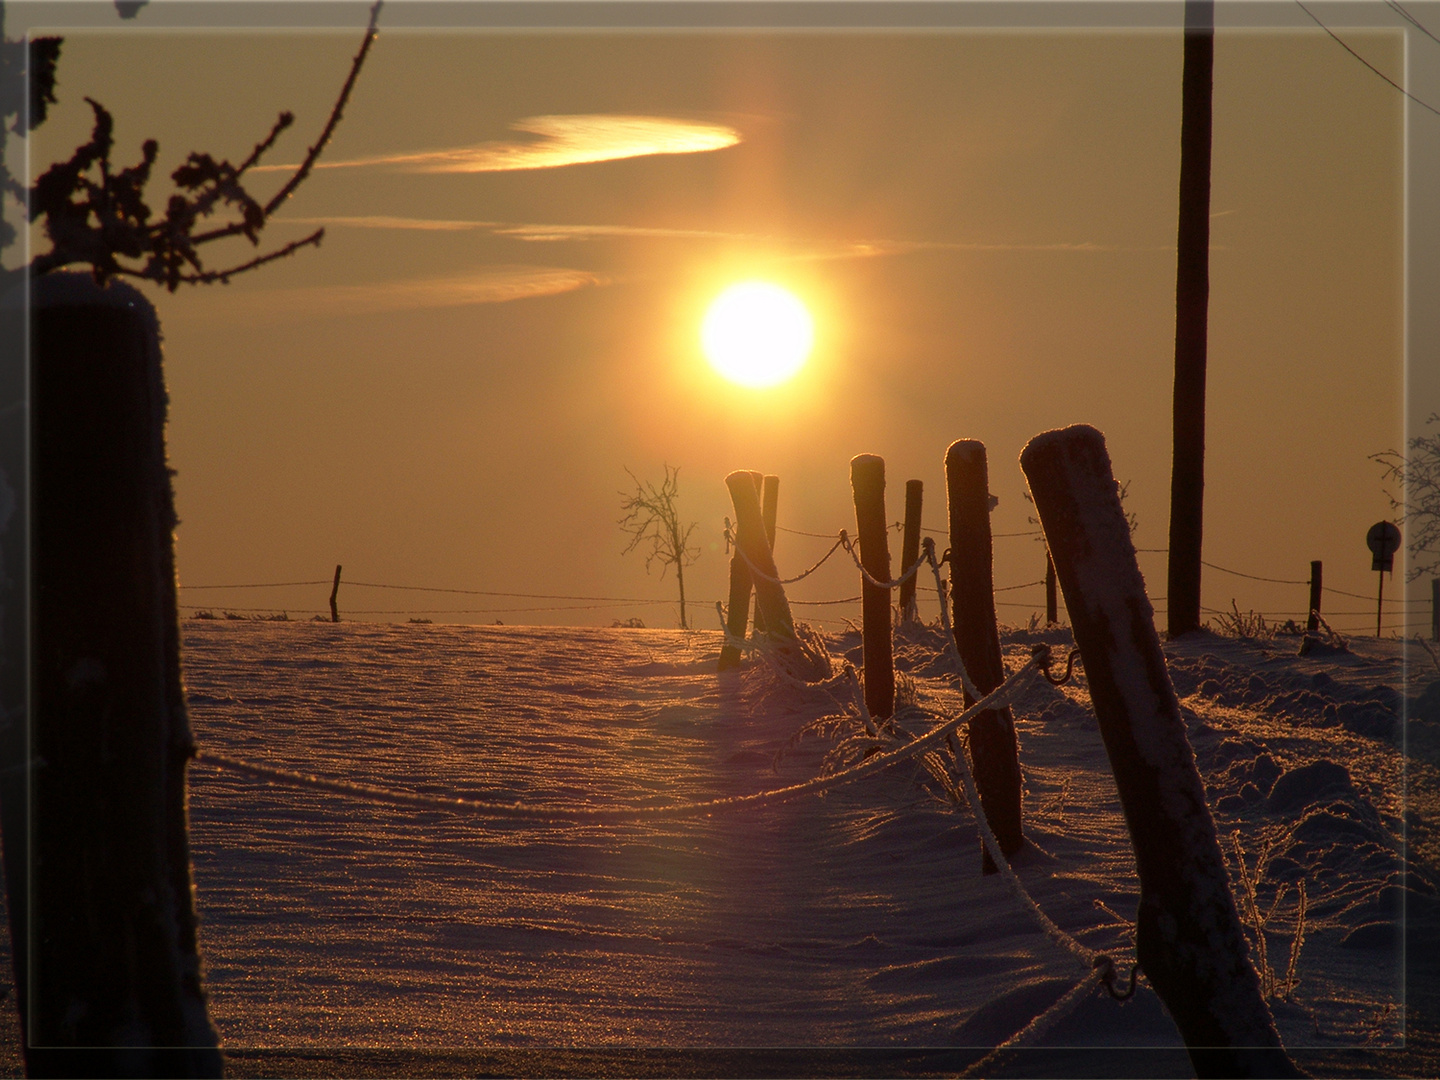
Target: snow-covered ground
<point>849,934</point>
<point>855,920</point>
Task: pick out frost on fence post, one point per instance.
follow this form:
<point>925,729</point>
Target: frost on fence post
<point>737,614</point>
<point>1189,940</point>
<point>972,594</point>
<point>750,539</point>
<point>867,480</point>
<point>769,505</point>
<point>114,973</point>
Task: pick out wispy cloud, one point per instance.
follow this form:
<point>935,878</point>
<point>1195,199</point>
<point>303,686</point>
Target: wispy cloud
<point>520,231</point>
<point>562,140</point>
<point>872,249</point>
<point>493,285</point>
<point>861,249</point>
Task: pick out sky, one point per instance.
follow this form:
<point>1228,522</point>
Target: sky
<point>523,230</point>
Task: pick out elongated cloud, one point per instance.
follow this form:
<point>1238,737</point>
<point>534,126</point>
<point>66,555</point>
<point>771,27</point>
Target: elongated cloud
<point>563,140</point>
<point>520,231</point>
<point>493,285</point>
<point>865,249</point>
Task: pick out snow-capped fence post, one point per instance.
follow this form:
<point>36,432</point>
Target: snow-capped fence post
<point>867,483</point>
<point>1312,623</point>
<point>769,504</point>
<point>334,594</point>
<point>111,984</point>
<point>910,547</point>
<point>977,639</point>
<point>1052,608</point>
<point>1189,940</point>
<point>737,614</point>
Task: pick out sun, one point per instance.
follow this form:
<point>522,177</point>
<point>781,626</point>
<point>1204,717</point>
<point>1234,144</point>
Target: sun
<point>757,334</point>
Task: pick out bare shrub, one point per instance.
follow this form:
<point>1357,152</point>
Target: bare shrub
<point>1257,922</point>
<point>1250,625</point>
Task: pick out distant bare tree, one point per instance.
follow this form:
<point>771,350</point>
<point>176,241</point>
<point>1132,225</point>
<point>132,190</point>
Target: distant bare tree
<point>1417,480</point>
<point>651,518</point>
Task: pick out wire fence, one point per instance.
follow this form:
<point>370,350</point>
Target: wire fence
<point>571,602</point>
<point>894,745</point>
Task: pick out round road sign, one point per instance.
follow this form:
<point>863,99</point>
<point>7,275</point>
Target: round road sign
<point>1383,539</point>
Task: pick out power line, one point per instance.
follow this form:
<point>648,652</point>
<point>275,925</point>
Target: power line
<point>1395,7</point>
<point>265,585</point>
<point>1367,63</point>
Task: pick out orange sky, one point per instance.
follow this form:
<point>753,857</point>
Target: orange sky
<point>504,313</point>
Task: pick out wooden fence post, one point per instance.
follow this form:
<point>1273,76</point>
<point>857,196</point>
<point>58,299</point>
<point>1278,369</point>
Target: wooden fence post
<point>737,615</point>
<point>110,984</point>
<point>750,538</point>
<point>1435,609</point>
<point>1312,623</point>
<point>1052,608</point>
<point>1188,936</point>
<point>335,592</point>
<point>910,547</point>
<point>972,595</point>
<point>867,483</point>
<point>769,502</point>
<point>14,626</point>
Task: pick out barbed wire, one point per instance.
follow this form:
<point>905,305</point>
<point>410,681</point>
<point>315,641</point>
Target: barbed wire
<point>1253,577</point>
<point>1012,588</point>
<point>731,542</point>
<point>849,547</point>
<point>1003,695</point>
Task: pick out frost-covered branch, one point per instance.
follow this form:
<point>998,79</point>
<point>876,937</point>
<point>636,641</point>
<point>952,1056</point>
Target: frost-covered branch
<point>1416,497</point>
<point>97,216</point>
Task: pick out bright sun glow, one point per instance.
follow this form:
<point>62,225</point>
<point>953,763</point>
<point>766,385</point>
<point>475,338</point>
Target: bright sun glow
<point>757,334</point>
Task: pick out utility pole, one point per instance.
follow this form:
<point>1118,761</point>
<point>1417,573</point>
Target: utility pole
<point>1192,300</point>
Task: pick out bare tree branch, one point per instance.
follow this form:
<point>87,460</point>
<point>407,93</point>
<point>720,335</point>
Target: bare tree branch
<point>1416,497</point>
<point>95,215</point>
<point>209,277</point>
<point>305,166</point>
<point>651,518</point>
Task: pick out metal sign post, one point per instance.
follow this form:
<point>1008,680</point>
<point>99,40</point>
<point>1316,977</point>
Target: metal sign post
<point>1383,539</point>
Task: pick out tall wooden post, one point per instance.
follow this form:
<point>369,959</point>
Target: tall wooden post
<point>1052,607</point>
<point>867,482</point>
<point>1188,936</point>
<point>972,592</point>
<point>334,595</point>
<point>1312,623</point>
<point>1192,302</point>
<point>769,503</point>
<point>910,547</point>
<point>15,754</point>
<point>110,981</point>
<point>737,614</point>
<point>750,538</point>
